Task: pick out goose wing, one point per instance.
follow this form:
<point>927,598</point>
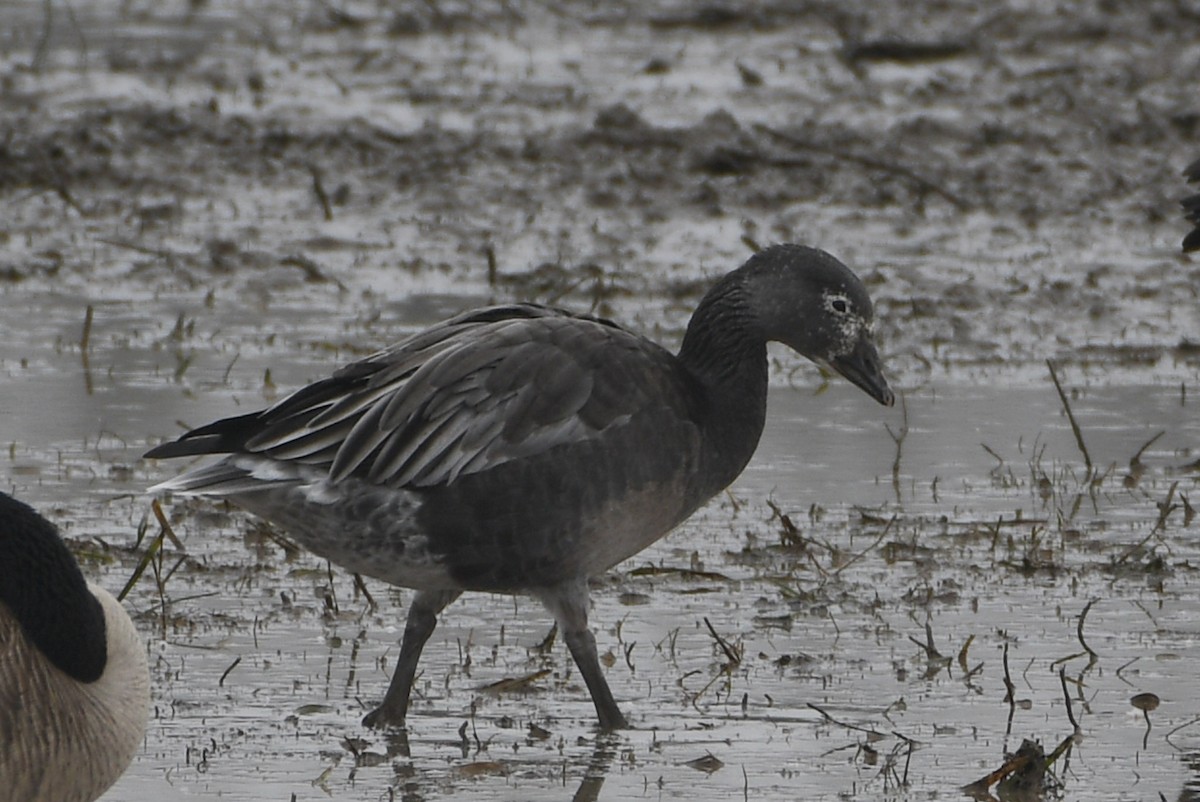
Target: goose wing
<point>468,394</point>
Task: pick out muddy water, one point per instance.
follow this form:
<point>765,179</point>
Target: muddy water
<point>263,661</point>
<point>248,194</point>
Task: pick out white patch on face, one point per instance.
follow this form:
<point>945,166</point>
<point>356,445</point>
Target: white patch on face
<point>848,324</point>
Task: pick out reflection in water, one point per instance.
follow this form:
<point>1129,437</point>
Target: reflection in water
<point>1191,786</point>
<point>410,770</point>
<point>605,750</point>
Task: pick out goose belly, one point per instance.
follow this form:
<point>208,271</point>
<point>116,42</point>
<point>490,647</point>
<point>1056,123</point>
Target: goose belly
<point>522,525</point>
<point>364,528</point>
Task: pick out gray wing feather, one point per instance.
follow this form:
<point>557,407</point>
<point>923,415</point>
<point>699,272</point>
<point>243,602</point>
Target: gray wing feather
<point>509,392</point>
<point>235,475</point>
<point>469,394</point>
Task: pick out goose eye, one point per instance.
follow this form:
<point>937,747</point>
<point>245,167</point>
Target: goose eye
<point>839,306</point>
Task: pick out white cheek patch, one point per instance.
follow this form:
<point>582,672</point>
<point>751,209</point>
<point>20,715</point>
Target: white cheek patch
<point>847,324</point>
<point>830,298</point>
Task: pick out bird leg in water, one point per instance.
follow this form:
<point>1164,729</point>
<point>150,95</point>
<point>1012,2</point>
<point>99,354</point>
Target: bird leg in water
<point>422,618</point>
<point>569,604</point>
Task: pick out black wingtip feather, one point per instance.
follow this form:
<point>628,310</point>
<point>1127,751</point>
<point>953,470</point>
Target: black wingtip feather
<point>225,436</point>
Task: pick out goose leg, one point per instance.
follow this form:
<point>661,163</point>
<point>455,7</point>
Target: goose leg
<point>569,605</point>
<point>422,618</point>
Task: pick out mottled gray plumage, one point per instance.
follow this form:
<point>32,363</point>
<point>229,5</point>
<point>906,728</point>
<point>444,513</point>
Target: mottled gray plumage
<point>523,449</point>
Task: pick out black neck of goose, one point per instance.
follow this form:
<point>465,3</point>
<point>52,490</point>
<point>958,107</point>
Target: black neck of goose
<point>724,345</point>
<point>725,351</point>
<point>45,591</point>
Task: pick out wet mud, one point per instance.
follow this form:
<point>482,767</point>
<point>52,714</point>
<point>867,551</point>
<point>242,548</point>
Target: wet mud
<point>205,204</point>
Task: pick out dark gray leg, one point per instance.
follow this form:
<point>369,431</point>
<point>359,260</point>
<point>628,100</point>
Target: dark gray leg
<point>422,618</point>
<point>569,604</point>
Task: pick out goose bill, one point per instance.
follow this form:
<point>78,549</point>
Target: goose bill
<point>862,368</point>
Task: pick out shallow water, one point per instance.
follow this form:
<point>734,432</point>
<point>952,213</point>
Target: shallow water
<point>825,621</point>
<point>1011,203</point>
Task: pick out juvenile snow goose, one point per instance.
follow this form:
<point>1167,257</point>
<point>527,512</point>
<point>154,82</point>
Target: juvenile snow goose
<point>522,449</point>
<point>74,688</point>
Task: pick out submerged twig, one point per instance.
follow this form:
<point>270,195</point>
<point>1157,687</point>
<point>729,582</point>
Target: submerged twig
<point>1062,678</point>
<point>789,532</point>
<point>1092,656</point>
<point>515,684</point>
<point>232,666</point>
<point>85,339</point>
<point>1023,772</point>
<point>908,753</point>
<point>931,650</point>
<point>319,191</point>
<point>85,345</point>
<point>730,652</point>
<point>898,439</point>
<point>1165,508</point>
<point>962,653</point>
<point>169,530</point>
<point>152,549</point>
<point>361,587</point>
<point>1087,458</point>
<point>734,656</point>
<point>1189,723</point>
<point>886,528</point>
<point>1010,692</point>
<point>874,733</point>
<point>1136,466</point>
<point>995,456</point>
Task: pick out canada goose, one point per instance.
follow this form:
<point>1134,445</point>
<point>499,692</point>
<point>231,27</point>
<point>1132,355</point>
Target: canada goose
<point>74,687</point>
